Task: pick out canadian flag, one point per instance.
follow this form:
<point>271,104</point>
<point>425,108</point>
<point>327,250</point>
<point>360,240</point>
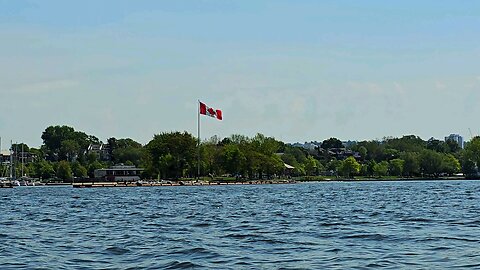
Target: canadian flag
<point>205,110</point>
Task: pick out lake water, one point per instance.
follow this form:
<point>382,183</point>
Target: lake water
<point>361,225</point>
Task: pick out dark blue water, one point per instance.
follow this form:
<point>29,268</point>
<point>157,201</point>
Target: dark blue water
<point>364,225</point>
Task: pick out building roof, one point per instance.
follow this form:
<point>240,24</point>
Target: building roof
<point>5,152</point>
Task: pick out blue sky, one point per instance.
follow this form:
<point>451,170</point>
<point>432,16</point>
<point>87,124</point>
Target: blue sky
<point>295,70</point>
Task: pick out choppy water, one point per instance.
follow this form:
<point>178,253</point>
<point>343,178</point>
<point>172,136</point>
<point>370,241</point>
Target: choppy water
<point>364,225</point>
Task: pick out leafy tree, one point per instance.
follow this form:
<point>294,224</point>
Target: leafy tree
<point>411,166</point>
<point>390,154</point>
<point>131,154</point>
<point>349,167</point>
<point>375,149</point>
<point>166,164</point>
<point>396,167</point>
<point>362,150</point>
<point>17,147</point>
<point>273,164</point>
<point>311,166</point>
<point>472,153</point>
<point>94,166</point>
<point>364,170</point>
<point>180,146</point>
<point>232,159</point>
<point>63,142</point>
<point>297,153</point>
<point>430,162</point>
<point>78,170</point>
<point>437,145</point>
<point>452,146</point>
<point>42,169</point>
<point>380,169</point>
<point>408,143</point>
<point>64,171</point>
<point>331,143</point>
<point>69,150</point>
<point>334,165</point>
<point>119,149</point>
<point>299,170</point>
<point>210,158</point>
<point>450,164</point>
<point>469,168</point>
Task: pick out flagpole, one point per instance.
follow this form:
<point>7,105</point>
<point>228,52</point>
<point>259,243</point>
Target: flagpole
<point>198,137</point>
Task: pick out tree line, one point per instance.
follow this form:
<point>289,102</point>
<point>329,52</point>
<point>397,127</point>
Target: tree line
<point>67,154</point>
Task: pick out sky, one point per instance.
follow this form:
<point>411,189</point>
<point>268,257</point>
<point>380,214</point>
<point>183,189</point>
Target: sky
<point>299,70</point>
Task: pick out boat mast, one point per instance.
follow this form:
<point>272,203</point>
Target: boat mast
<point>16,161</point>
<point>22,157</point>
<point>11,160</point>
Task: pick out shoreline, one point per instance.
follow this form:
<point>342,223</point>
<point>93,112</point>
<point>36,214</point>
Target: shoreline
<point>221,182</point>
<point>253,182</point>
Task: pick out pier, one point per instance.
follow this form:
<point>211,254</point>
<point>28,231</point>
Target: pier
<point>6,185</point>
<point>176,183</point>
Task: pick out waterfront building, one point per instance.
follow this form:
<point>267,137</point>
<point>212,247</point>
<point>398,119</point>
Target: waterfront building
<point>4,157</point>
<point>456,138</point>
<point>119,173</point>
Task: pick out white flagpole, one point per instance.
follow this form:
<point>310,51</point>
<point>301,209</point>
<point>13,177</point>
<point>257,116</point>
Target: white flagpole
<point>198,137</point>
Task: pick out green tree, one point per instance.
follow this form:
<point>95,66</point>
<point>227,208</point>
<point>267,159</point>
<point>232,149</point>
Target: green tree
<point>299,170</point>
<point>452,146</point>
<point>471,157</point>
<point>17,147</point>
<point>130,154</point>
<point>375,149</point>
<point>349,167</point>
<point>94,166</point>
<point>430,162</point>
<point>331,143</point>
<point>362,150</point>
<point>411,167</point>
<point>408,143</point>
<point>380,169</point>
<point>166,164</point>
<point>78,170</point>
<point>63,142</point>
<point>450,164</point>
<point>396,166</point>
<point>210,153</point>
<point>437,145</point>
<point>44,170</point>
<point>311,166</point>
<point>232,159</point>
<point>64,171</point>
<point>69,149</point>
<point>334,165</point>
<point>180,146</point>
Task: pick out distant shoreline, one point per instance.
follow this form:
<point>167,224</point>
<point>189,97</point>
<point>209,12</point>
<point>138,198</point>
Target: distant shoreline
<point>220,182</point>
<point>249,182</point>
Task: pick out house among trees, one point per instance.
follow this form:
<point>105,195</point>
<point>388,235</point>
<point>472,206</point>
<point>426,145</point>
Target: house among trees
<point>4,157</point>
<point>101,150</point>
<point>25,157</point>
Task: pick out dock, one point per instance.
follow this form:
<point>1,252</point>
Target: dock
<point>6,185</point>
<point>173,183</point>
